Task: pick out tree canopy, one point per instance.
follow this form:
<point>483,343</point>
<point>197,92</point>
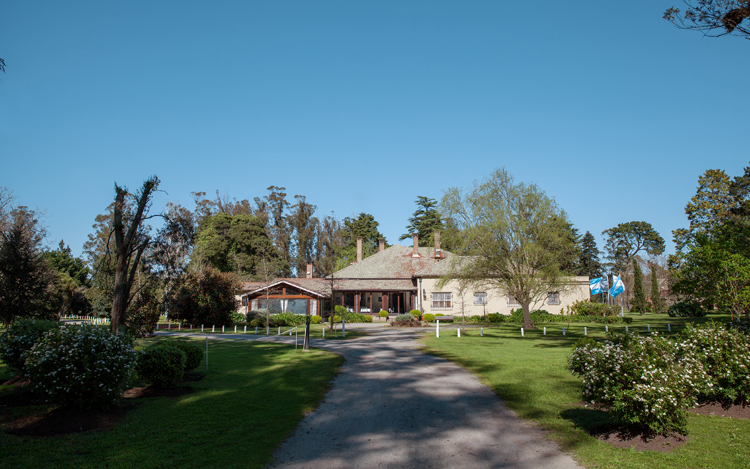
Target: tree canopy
<point>363,226</point>
<point>425,221</point>
<point>517,238</point>
<point>628,239</point>
<point>712,17</point>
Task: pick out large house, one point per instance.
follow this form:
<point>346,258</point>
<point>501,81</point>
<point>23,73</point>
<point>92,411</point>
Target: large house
<point>397,279</point>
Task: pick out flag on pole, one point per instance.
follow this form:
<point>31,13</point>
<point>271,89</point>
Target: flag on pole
<point>617,287</point>
<point>595,284</point>
<point>605,283</point>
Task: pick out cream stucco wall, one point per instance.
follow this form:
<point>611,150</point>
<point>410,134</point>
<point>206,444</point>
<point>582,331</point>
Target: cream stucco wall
<point>497,301</point>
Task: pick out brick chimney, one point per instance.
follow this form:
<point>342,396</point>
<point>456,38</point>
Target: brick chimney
<point>359,249</point>
<point>309,270</point>
<point>381,245</point>
<point>438,250</point>
<point>415,237</point>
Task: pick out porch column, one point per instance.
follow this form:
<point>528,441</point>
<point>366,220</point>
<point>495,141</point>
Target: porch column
<point>356,302</point>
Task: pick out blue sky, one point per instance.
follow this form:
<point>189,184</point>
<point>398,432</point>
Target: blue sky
<point>363,106</point>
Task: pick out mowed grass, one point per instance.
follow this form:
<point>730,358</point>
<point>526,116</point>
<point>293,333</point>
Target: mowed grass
<point>316,331</point>
<point>531,375</point>
<point>252,397</point>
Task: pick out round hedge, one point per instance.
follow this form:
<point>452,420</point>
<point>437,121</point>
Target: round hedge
<point>161,367</point>
<point>193,353</point>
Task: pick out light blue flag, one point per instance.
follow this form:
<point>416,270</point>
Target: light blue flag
<point>617,287</point>
<point>595,284</point>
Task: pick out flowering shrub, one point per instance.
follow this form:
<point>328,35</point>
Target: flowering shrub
<point>81,366</point>
<point>193,353</point>
<point>161,366</point>
<point>640,379</point>
<point>20,338</point>
<point>725,355</point>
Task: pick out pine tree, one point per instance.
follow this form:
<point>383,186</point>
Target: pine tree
<point>655,292</point>
<point>639,297</point>
<point>588,261</point>
<point>425,221</point>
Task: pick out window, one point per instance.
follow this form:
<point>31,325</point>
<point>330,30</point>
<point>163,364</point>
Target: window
<point>512,301</point>
<point>442,301</point>
<point>480,298</point>
<point>553,298</point>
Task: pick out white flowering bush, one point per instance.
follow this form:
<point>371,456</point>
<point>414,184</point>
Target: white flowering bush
<point>20,337</point>
<point>640,379</point>
<point>725,356</point>
<point>85,367</point>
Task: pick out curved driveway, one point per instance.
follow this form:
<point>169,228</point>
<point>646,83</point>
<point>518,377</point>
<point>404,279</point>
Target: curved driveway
<point>393,406</point>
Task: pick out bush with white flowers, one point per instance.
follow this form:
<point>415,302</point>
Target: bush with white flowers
<point>639,379</point>
<point>20,337</point>
<point>725,356</point>
<point>85,367</point>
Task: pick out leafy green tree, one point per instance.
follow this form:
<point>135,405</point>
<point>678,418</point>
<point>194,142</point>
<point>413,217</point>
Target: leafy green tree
<point>655,290</point>
<point>271,210</point>
<point>628,239</point>
<point>235,244</point>
<point>425,221</point>
<point>304,225</point>
<point>329,244</point>
<point>712,17</point>
<point>588,257</point>
<point>205,297</point>
<point>517,237</point>
<point>62,261</point>
<point>363,226</point>
<point>716,274</point>
<point>639,297</point>
<point>26,279</point>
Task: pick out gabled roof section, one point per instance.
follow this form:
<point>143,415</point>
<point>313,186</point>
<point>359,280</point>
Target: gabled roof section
<point>396,262</point>
<point>314,286</point>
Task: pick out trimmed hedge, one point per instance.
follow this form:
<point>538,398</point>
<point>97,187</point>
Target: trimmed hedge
<point>193,353</point>
<point>161,367</point>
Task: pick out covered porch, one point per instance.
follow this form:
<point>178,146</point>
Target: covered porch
<point>373,301</point>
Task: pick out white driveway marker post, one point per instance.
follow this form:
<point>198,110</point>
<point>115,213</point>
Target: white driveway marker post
<point>437,328</point>
<point>213,328</point>
<point>459,331</point>
<point>191,328</point>
<point>179,327</point>
<point>649,327</point>
<point>343,328</point>
<point>245,329</point>
<point>201,327</point>
<point>626,328</point>
<point>222,329</point>
<point>585,330</point>
<point>669,327</point>
<point>563,331</point>
<point>279,331</point>
<point>545,330</point>
<point>235,329</point>
<point>169,326</point>
<point>606,328</point>
<point>324,332</point>
<point>522,332</point>
<point>481,332</point>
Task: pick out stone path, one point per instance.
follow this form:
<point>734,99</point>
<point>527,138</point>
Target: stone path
<point>393,406</point>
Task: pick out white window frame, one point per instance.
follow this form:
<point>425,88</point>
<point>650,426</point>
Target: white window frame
<point>553,298</point>
<point>442,301</point>
<point>512,301</point>
<point>481,297</point>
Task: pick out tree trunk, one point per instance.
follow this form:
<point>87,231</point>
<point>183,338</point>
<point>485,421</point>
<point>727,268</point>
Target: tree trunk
<point>527,323</point>
<point>125,247</point>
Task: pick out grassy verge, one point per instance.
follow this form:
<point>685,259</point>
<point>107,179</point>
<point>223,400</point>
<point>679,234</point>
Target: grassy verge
<point>530,374</point>
<point>316,331</point>
<point>252,397</point>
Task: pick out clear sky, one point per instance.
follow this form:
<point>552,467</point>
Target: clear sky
<point>363,106</point>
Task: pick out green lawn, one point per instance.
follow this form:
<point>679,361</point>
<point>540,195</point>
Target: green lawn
<point>316,331</point>
<point>530,374</point>
<point>252,397</point>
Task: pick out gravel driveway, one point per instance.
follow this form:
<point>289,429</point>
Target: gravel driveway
<point>395,407</point>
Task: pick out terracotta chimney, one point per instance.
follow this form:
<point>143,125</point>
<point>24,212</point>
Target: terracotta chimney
<point>381,245</point>
<point>416,245</point>
<point>309,270</point>
<point>359,249</point>
<point>438,250</point>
